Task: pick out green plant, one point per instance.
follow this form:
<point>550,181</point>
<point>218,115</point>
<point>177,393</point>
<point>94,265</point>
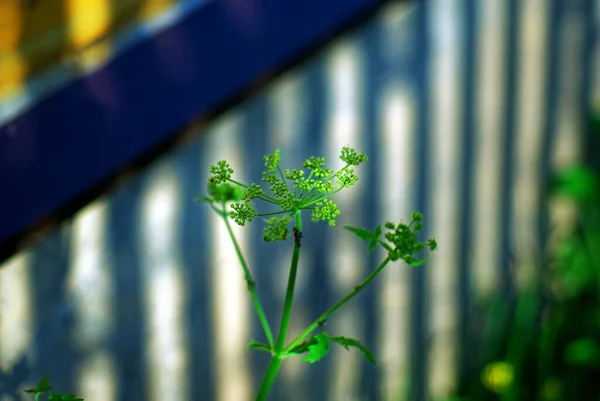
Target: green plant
<point>546,347</point>
<point>291,193</point>
<point>43,386</point>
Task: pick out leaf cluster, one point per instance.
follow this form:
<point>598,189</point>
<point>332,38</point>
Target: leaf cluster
<point>317,347</point>
<point>43,386</point>
<point>402,239</point>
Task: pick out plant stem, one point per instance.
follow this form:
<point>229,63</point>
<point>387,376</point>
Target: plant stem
<point>273,213</point>
<point>289,294</point>
<point>269,378</point>
<point>263,196</point>
<point>276,359</point>
<point>251,286</point>
<point>335,307</point>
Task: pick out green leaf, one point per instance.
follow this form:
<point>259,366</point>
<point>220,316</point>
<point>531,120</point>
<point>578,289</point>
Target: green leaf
<point>317,350</point>
<point>360,232</point>
<point>366,235</point>
<point>350,342</point>
<point>64,397</point>
<point>302,347</point>
<point>415,263</point>
<point>375,239</point>
<point>42,386</point>
<point>577,182</point>
<point>584,351</point>
<point>318,347</point>
<point>259,346</point>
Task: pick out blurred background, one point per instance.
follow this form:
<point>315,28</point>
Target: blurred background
<point>481,114</point>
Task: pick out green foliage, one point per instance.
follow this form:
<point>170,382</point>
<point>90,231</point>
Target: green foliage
<point>402,240</point>
<point>276,229</point>
<point>546,347</point>
<point>372,237</point>
<point>318,347</point>
<point>350,342</point>
<point>326,211</point>
<point>583,352</point>
<point>292,191</point>
<point>43,386</point>
<point>577,182</point>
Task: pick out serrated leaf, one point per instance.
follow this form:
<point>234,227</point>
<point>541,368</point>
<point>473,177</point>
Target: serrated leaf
<point>366,235</point>
<point>350,342</point>
<point>42,386</point>
<point>317,350</point>
<point>374,240</point>
<point>360,232</point>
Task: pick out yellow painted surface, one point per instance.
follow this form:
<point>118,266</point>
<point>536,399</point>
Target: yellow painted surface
<point>34,35</point>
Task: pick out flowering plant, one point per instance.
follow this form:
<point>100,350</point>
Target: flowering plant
<point>292,192</point>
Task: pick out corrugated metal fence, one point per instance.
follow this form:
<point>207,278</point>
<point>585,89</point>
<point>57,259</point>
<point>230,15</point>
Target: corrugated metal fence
<point>463,107</point>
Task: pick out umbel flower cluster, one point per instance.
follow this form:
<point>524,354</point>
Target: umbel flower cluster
<point>289,190</point>
<point>293,190</point>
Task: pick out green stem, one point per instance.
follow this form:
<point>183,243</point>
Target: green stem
<point>335,307</point>
<point>322,197</point>
<point>282,176</point>
<point>273,213</point>
<point>307,179</point>
<point>269,378</point>
<point>276,359</point>
<point>289,294</point>
<point>251,287</point>
<point>262,196</point>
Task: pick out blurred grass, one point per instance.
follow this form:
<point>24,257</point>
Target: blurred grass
<point>544,343</point>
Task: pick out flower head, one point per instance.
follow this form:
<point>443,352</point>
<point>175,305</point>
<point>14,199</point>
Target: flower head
<point>350,157</point>
<point>404,238</point>
<point>242,212</point>
<point>291,190</point>
<point>276,229</point>
<point>325,210</point>
<point>220,173</point>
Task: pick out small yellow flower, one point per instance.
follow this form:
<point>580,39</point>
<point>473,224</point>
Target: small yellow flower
<point>497,376</point>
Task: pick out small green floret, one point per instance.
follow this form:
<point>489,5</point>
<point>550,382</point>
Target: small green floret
<point>253,192</point>
<point>325,210</point>
<point>294,175</point>
<point>347,178</point>
<point>314,163</point>
<point>221,172</point>
<point>272,162</point>
<point>276,229</point>
<point>349,156</point>
<point>242,212</point>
